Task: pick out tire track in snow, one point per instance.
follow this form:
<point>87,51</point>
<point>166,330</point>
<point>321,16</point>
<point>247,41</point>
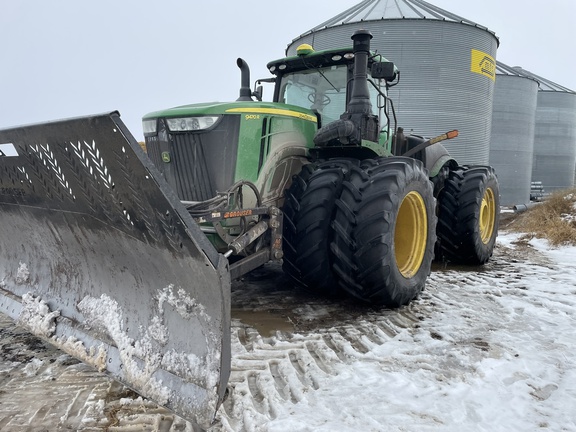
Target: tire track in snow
<point>271,371</point>
<point>475,293</point>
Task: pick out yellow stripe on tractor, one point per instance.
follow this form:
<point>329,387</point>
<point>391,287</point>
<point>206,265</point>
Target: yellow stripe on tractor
<point>277,111</point>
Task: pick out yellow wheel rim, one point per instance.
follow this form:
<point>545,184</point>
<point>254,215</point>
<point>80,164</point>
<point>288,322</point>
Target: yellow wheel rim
<point>487,216</point>
<point>411,234</point>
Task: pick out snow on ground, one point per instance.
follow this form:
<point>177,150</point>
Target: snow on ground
<point>495,353</point>
<point>484,349</point>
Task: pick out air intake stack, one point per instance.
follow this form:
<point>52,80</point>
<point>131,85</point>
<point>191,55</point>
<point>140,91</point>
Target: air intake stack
<point>358,122</point>
<point>359,109</point>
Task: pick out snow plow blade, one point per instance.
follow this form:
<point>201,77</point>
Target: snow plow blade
<point>99,257</point>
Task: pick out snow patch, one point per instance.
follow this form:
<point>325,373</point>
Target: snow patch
<point>189,365</point>
<point>31,368</point>
<point>23,274</point>
<point>142,357</point>
<point>129,401</point>
<point>95,357</point>
<point>95,412</point>
<point>563,255</point>
<point>202,371</point>
<point>37,316</point>
<point>158,331</point>
<point>105,313</point>
<point>569,217</point>
<point>185,305</point>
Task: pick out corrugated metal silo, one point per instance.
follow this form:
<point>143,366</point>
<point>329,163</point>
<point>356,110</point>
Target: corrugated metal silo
<point>512,139</point>
<point>447,66</point>
<point>554,135</point>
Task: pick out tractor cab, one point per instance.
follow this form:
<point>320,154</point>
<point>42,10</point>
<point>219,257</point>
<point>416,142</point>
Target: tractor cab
<point>322,82</point>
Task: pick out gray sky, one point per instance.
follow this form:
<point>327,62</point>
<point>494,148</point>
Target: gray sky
<point>67,58</point>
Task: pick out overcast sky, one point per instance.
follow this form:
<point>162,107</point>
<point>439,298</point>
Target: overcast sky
<point>67,58</point>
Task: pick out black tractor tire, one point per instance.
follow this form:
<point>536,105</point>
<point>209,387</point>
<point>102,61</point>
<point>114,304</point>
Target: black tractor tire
<point>308,211</point>
<point>468,215</point>
<point>384,231</point>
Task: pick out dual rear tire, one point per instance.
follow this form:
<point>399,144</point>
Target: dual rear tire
<point>364,227</point>
<point>468,215</point>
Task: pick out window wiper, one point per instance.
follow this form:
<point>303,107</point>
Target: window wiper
<point>327,80</point>
<point>323,76</point>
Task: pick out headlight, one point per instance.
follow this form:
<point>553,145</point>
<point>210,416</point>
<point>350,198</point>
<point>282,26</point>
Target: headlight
<point>149,126</point>
<point>190,123</point>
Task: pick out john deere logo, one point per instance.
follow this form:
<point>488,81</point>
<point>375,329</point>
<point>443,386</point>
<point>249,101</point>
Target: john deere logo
<point>483,64</point>
<point>166,157</point>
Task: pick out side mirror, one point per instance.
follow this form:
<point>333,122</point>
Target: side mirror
<point>258,93</point>
<point>383,70</point>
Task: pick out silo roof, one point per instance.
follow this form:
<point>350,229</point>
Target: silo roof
<point>503,69</point>
<point>374,10</point>
<point>545,84</point>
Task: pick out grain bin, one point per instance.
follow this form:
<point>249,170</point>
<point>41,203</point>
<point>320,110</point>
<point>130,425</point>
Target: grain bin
<point>554,135</point>
<point>512,139</point>
<point>447,66</point>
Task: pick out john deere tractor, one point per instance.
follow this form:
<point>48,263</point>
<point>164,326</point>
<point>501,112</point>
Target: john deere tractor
<point>359,204</point>
<point>124,259</point>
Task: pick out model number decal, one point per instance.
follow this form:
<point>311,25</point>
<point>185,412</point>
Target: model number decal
<point>238,213</point>
<point>274,111</point>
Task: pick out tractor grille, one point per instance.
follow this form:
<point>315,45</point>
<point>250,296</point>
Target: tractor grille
<point>197,164</point>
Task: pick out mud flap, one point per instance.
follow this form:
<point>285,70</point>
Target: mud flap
<point>99,257</point>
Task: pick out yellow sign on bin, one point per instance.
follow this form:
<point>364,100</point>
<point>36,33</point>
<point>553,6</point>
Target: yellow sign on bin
<point>483,63</point>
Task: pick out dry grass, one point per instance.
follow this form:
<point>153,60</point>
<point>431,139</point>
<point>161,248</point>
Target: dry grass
<point>554,219</point>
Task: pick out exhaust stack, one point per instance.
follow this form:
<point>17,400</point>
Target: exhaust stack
<point>360,98</point>
<point>359,108</point>
<point>245,91</point>
<point>358,122</point>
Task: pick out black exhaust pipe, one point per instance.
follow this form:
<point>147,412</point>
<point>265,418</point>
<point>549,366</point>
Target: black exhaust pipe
<point>358,122</point>
<point>245,91</point>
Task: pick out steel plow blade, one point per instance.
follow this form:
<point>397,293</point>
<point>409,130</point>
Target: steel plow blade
<point>99,257</point>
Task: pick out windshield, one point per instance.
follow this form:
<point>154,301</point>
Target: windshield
<point>322,90</point>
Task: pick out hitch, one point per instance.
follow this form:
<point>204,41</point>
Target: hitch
<point>271,223</point>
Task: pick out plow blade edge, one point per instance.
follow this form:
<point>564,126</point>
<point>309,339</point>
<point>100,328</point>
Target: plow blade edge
<point>99,257</point>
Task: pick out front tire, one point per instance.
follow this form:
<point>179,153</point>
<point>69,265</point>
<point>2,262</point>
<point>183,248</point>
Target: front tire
<point>308,211</point>
<point>468,215</point>
<point>384,231</point>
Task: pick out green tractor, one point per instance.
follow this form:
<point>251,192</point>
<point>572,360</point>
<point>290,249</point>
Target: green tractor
<point>360,204</point>
<point>125,259</point>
